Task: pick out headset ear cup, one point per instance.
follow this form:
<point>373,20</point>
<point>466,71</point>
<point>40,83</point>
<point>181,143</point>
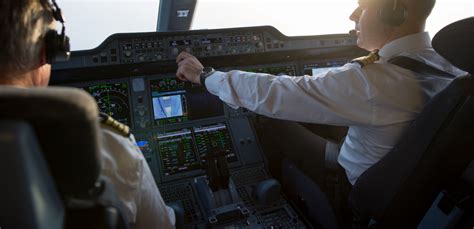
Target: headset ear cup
<point>57,47</point>
<point>393,16</point>
<point>51,44</point>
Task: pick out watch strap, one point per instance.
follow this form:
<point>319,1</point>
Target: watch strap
<point>206,72</point>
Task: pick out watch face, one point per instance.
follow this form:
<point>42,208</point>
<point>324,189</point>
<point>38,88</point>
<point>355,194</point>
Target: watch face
<point>206,71</point>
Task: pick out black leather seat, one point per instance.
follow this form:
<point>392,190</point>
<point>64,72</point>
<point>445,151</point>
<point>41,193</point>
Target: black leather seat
<point>49,165</point>
<point>434,152</point>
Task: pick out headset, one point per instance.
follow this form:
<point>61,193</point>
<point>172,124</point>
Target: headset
<point>58,48</point>
<point>393,13</point>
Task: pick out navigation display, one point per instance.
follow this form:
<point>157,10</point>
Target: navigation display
<point>214,138</point>
<point>112,99</point>
<point>176,152</point>
<point>169,101</point>
<point>168,106</point>
<point>174,102</point>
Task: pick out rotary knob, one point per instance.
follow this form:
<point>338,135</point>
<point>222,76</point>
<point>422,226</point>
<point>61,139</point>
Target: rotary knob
<point>175,51</point>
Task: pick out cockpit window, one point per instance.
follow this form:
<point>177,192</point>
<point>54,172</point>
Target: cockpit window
<point>292,17</point>
<point>307,17</point>
<point>89,22</point>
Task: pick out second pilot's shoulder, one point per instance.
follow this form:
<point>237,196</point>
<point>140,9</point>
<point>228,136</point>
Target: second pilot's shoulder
<point>113,125</point>
<point>364,66</point>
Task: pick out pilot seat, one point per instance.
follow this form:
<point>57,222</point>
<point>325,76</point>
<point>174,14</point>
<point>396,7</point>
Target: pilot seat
<point>427,180</point>
<point>49,166</point>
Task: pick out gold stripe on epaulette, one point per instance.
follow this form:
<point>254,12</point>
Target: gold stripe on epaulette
<point>116,125</point>
<point>366,60</point>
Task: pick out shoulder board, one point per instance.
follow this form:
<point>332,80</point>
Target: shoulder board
<point>116,125</point>
<point>366,60</point>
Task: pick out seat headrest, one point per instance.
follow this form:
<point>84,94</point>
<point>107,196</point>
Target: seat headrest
<point>65,121</point>
<point>455,42</point>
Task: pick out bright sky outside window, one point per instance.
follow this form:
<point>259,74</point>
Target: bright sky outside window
<point>89,22</point>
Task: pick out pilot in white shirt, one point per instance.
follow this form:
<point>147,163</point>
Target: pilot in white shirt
<point>377,101</point>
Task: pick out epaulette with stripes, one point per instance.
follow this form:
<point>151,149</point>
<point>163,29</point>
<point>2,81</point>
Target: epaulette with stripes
<point>366,60</point>
<point>107,120</point>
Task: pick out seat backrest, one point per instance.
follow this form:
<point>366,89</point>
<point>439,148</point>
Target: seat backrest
<point>28,190</point>
<point>65,123</point>
<point>432,154</point>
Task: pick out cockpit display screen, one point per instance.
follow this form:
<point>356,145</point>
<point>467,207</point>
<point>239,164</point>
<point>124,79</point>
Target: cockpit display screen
<point>112,99</point>
<point>176,151</point>
<point>169,101</point>
<point>213,138</point>
<point>168,106</point>
<point>173,102</point>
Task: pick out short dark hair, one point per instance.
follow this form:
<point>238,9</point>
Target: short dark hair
<point>23,26</point>
<point>422,8</point>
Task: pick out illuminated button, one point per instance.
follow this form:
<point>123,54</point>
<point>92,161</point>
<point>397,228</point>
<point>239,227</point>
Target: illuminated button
<point>259,44</point>
<point>208,48</point>
<point>128,53</point>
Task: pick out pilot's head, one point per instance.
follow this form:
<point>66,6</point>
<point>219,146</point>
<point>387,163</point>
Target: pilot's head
<point>381,21</point>
<point>23,27</point>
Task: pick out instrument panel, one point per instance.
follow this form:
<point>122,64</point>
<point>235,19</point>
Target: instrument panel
<point>132,77</point>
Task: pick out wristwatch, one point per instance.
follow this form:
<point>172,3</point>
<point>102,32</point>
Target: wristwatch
<point>206,72</point>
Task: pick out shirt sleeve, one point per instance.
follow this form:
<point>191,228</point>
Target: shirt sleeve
<point>342,96</point>
<point>125,166</point>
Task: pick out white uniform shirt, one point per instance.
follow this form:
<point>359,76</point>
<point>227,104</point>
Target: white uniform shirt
<point>377,102</point>
<point>125,166</point>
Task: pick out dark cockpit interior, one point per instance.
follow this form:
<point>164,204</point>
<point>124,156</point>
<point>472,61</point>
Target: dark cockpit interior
<point>205,156</point>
